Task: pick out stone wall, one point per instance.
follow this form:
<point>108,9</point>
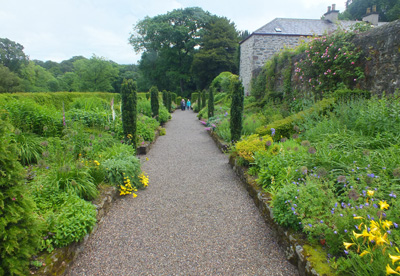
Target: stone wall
<point>257,49</point>
<point>381,47</point>
<point>380,61</point>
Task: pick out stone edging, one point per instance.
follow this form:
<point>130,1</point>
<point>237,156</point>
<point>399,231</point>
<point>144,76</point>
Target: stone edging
<point>292,242</point>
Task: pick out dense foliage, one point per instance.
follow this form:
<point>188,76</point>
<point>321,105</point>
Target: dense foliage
<point>183,48</point>
<point>236,109</point>
<point>19,226</point>
<point>129,111</point>
<point>155,105</point>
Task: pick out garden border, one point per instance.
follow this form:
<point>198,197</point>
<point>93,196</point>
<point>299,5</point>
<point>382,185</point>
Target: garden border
<point>60,260</point>
<point>292,242</point>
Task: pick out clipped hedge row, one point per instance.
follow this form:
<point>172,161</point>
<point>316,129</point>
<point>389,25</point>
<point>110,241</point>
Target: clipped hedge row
<point>284,127</point>
<point>56,99</point>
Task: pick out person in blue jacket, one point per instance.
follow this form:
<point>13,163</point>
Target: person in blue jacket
<point>188,104</point>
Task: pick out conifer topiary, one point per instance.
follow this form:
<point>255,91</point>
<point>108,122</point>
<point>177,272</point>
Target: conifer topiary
<point>19,226</point>
<point>169,101</point>
<point>154,102</point>
<point>211,103</point>
<point>203,99</point>
<point>236,89</point>
<point>129,112</point>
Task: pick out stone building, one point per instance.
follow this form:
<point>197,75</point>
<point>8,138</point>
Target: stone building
<point>271,38</point>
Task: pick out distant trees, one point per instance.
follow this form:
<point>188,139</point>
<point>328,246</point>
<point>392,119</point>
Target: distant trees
<point>12,55</point>
<point>217,51</point>
<point>183,48</point>
<point>389,10</point>
<point>95,74</point>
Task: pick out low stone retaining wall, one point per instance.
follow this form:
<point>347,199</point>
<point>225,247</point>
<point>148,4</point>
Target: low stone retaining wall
<point>297,250</point>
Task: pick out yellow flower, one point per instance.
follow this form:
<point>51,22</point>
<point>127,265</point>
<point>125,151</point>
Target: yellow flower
<point>348,244</point>
<point>357,235</point>
<point>380,240</point>
<point>387,224</point>
<point>383,205</point>
<point>365,252</point>
<point>389,270</point>
<point>134,195</point>
<point>147,159</point>
<point>358,217</point>
<point>370,193</point>
<point>394,258</point>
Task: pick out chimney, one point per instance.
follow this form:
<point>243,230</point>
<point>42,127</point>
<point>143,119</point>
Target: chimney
<point>371,17</point>
<point>332,14</point>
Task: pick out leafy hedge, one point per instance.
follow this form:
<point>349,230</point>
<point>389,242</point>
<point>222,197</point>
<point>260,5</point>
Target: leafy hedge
<point>285,127</point>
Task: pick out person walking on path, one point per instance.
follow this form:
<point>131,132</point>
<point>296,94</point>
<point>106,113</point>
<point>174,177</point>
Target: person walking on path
<point>183,105</point>
<point>188,104</point>
<point>205,224</point>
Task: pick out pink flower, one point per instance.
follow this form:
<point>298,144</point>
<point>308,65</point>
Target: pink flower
<point>14,199</point>
<point>352,62</point>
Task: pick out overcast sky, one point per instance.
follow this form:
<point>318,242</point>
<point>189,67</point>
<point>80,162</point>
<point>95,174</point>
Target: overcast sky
<point>60,29</point>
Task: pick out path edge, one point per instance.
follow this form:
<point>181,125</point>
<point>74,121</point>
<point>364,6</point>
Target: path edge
<point>292,242</point>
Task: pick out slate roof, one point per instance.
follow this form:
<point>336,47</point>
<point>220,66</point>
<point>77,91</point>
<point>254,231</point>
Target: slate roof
<point>299,27</point>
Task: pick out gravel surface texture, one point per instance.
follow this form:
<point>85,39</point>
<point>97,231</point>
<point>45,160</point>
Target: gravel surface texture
<point>194,218</point>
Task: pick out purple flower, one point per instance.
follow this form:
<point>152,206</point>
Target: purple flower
<point>272,131</point>
<point>395,225</point>
<point>293,209</point>
<point>226,114</point>
<point>207,128</point>
<point>321,221</point>
<point>346,252</point>
<point>335,232</point>
<point>392,195</point>
<point>341,215</point>
<point>345,230</point>
<point>310,224</point>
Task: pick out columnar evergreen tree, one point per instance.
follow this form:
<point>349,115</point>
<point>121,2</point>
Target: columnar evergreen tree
<point>236,108</point>
<point>211,102</point>
<point>169,101</point>
<point>199,103</point>
<point>19,227</point>
<point>203,99</point>
<point>129,112</point>
<point>164,97</point>
<point>154,101</point>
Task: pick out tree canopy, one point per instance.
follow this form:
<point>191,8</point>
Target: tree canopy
<point>389,10</point>
<point>217,51</point>
<point>12,55</point>
<point>180,47</point>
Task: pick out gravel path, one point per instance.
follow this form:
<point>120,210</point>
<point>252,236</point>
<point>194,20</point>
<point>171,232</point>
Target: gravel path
<point>195,217</point>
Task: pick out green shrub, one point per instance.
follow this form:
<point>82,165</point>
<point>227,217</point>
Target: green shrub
<point>154,102</point>
<point>74,222</point>
<point>203,99</point>
<point>164,115</point>
<point>285,127</point>
<point>146,128</point>
<point>350,95</point>
<point>90,103</point>
<point>73,178</point>
<point>68,218</point>
<point>211,103</point>
<point>236,108</point>
<point>19,226</point>
<point>122,166</point>
<point>29,116</point>
<point>163,131</point>
<point>89,118</point>
<point>29,147</point>
<point>129,111</point>
<point>194,97</point>
<point>248,146</point>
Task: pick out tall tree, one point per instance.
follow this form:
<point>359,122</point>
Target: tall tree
<point>9,81</point>
<point>217,53</point>
<point>169,42</point>
<point>12,55</point>
<point>389,10</point>
<point>96,74</point>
